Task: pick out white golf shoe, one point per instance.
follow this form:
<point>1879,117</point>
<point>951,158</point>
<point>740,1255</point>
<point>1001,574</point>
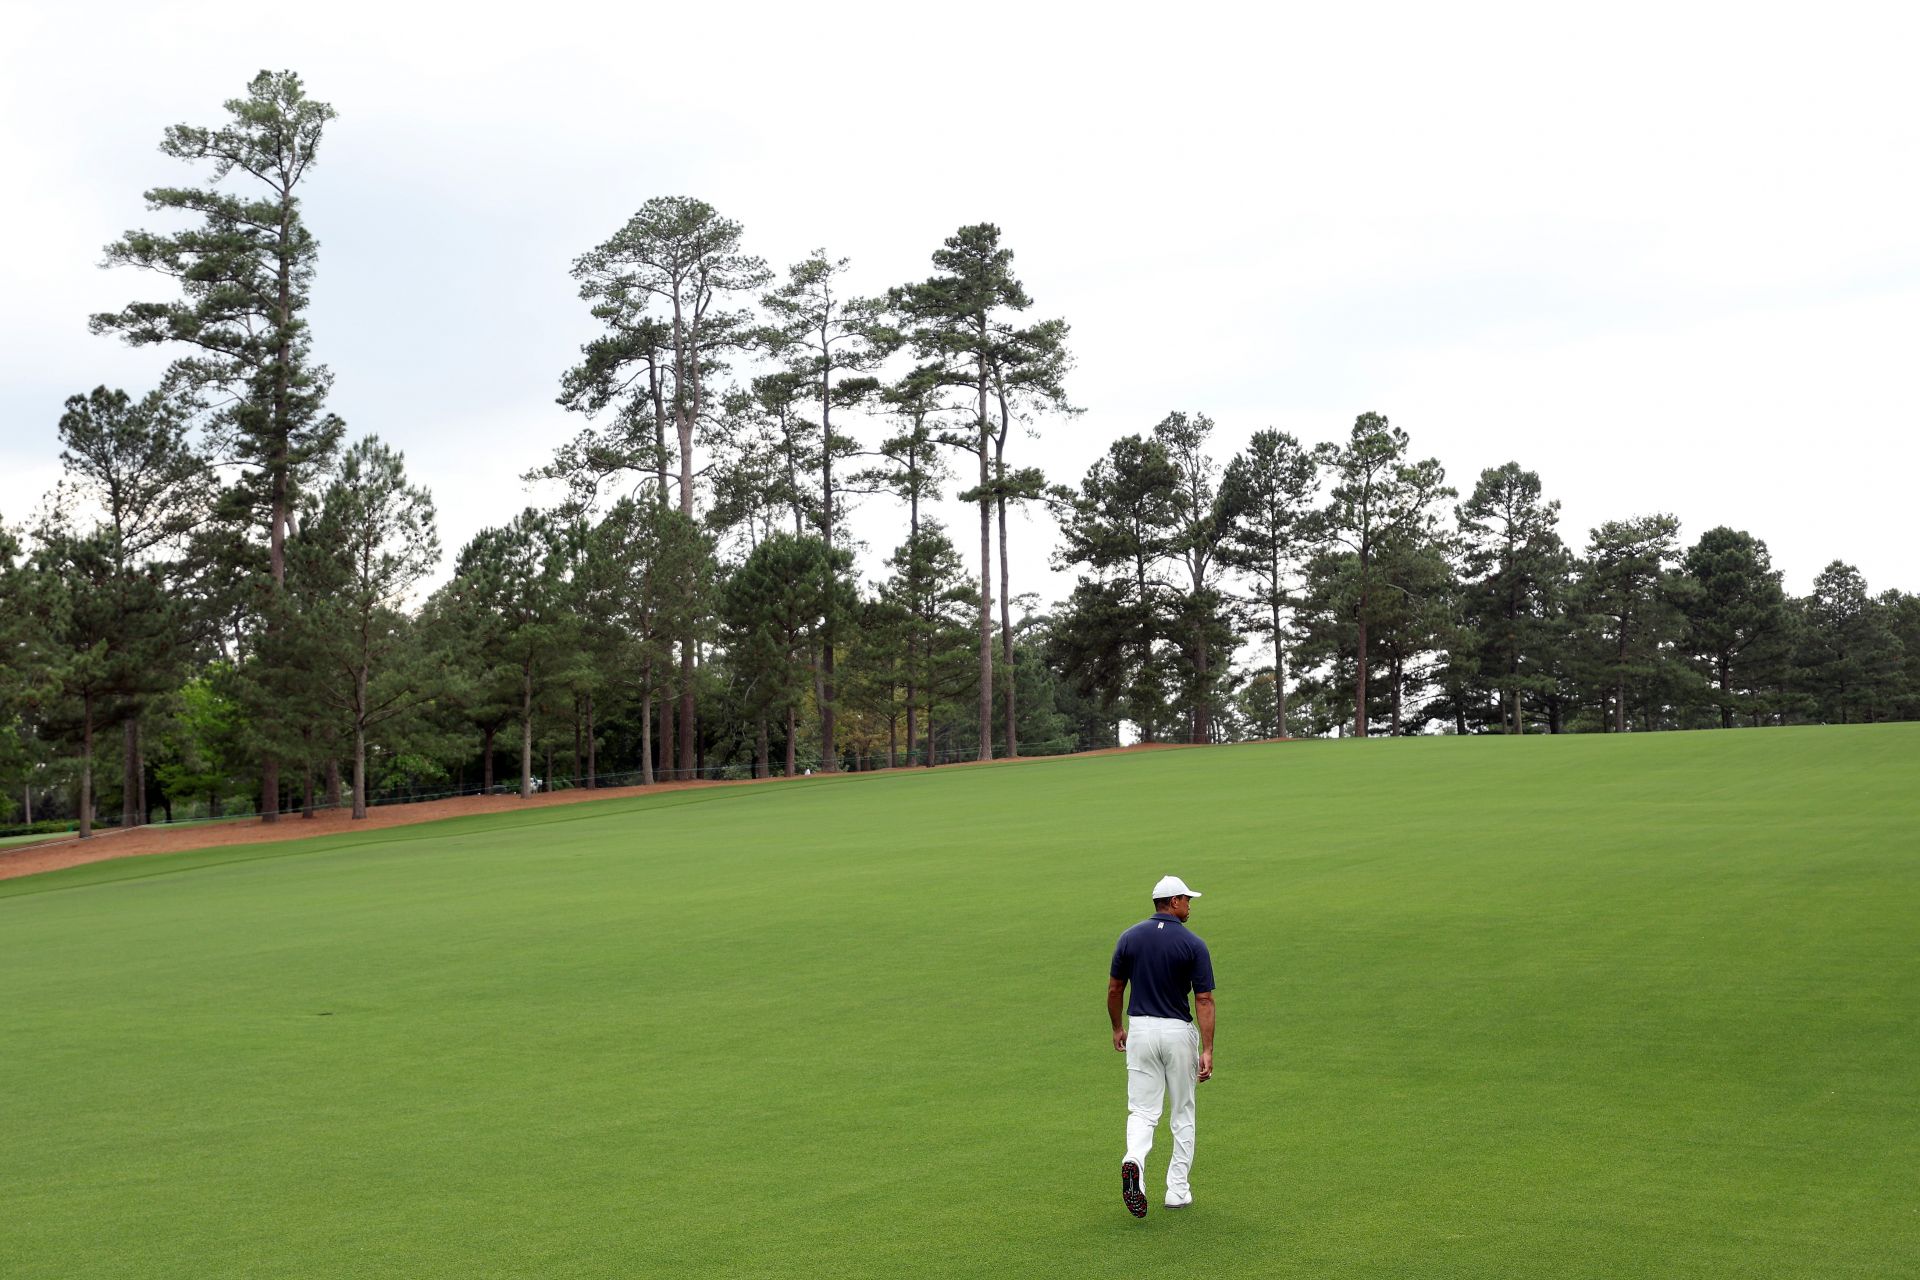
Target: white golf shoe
<point>1179,1199</point>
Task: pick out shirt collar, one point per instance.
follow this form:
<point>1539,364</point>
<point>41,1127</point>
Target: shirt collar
<point>1165,915</point>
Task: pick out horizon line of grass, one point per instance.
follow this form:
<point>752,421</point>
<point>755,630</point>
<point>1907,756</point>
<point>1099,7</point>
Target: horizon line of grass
<point>148,866</point>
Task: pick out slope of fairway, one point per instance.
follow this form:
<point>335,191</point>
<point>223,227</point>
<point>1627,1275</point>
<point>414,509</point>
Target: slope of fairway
<point>1601,1007</point>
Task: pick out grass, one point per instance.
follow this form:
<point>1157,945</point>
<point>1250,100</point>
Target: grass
<point>1576,1007</point>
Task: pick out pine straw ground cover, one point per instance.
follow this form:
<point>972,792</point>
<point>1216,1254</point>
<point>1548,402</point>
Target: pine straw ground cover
<point>1606,1007</point>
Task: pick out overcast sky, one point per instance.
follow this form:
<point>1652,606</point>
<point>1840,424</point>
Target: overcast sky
<point>1668,256</point>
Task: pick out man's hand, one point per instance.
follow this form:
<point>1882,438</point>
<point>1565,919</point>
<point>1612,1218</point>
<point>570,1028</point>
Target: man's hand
<point>1120,1039</point>
<point>1204,1017</point>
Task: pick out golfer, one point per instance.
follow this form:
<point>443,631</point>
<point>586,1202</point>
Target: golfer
<point>1166,1055</point>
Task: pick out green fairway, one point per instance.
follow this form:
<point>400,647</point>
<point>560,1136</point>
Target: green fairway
<point>1599,1006</point>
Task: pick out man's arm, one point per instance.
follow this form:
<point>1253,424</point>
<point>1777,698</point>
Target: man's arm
<point>1203,1014</point>
<point>1116,987</point>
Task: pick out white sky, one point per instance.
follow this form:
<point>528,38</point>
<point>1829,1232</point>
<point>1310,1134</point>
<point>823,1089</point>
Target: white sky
<point>1666,255</point>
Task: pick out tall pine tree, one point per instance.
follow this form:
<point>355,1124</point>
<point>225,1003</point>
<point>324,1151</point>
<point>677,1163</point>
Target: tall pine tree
<point>245,272</point>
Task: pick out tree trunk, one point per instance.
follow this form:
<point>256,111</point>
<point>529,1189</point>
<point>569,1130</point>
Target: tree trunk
<point>686,411</point>
<point>86,766</point>
<point>1143,719</point>
<point>686,725</point>
<point>486,761</point>
<point>277,516</point>
<point>793,473</point>
<point>593,751</point>
<point>1726,693</point>
<point>913,710</point>
<point>1360,680</point>
<point>333,782</point>
<point>130,773</point>
<point>306,791</point>
<point>654,385</point>
<point>646,740</point>
<point>986,574</point>
<point>1006,617</point>
<point>578,755</point>
<point>819,681</point>
<point>790,736</point>
<point>829,758</point>
<point>665,766</point>
<point>1279,659</point>
<point>761,765</point>
<point>829,713</point>
<point>526,732</point>
<point>359,772</point>
<point>1202,709</point>
<point>913,632</point>
<point>893,742</point>
<point>1393,675</point>
<point>276,539</point>
<point>1620,683</point>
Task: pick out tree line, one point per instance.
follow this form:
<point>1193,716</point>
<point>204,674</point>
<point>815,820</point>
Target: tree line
<point>218,608</point>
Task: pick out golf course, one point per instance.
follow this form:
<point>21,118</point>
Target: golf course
<point>1578,1006</point>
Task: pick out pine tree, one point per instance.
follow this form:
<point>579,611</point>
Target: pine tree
<point>1378,498</point>
<point>1268,492</point>
<point>1121,525</point>
<point>656,570</point>
<point>826,343</point>
<point>1738,606</point>
<point>370,540</point>
<point>911,469</point>
<point>133,463</point>
<point>1629,589</point>
<point>960,321</point>
<point>776,606</point>
<point>1515,570</point>
<point>1850,653</point>
<point>245,273</point>
<point>1199,524</point>
<point>510,582</point>
<point>679,258</point>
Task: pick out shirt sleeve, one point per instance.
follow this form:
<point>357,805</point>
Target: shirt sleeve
<point>1202,968</point>
<point>1122,966</point>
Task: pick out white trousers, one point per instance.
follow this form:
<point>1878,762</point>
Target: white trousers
<point>1163,1064</point>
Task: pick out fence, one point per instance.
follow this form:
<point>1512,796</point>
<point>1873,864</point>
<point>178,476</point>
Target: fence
<point>734,772</point>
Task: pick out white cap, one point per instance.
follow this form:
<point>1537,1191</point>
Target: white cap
<point>1173,887</point>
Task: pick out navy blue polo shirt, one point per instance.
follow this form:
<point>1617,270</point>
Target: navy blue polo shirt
<point>1163,960</point>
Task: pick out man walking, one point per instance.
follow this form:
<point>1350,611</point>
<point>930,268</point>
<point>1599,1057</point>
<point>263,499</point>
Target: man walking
<point>1166,1055</point>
